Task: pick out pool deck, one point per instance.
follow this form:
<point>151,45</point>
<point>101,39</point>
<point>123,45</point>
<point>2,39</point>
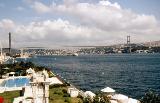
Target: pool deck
<point>3,89</point>
<point>1,80</point>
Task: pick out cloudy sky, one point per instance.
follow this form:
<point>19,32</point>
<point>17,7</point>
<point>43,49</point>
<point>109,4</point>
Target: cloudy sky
<point>78,22</point>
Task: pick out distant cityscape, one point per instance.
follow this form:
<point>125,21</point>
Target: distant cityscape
<point>153,47</point>
<point>128,47</point>
<point>149,47</point>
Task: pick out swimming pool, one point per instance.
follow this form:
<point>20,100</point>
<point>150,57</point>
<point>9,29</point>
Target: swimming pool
<point>15,82</point>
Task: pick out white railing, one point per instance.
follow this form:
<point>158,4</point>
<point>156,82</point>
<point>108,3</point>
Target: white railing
<point>3,89</point>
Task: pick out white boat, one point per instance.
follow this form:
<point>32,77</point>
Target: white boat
<point>72,54</point>
<point>75,54</point>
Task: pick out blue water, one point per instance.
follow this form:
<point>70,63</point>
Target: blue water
<point>18,82</point>
<point>130,74</point>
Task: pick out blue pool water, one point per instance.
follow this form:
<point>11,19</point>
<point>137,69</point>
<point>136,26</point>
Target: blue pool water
<point>18,82</point>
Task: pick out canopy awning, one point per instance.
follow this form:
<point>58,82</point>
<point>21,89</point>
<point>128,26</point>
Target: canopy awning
<point>12,73</point>
<point>6,68</point>
<point>108,90</point>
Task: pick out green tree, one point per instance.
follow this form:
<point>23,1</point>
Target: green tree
<point>99,98</point>
<point>87,100</point>
<point>29,65</point>
<point>150,97</point>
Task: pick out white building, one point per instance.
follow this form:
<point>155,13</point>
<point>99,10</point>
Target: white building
<point>73,92</point>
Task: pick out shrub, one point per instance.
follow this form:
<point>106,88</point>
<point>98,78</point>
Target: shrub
<point>67,100</point>
<point>56,85</point>
<point>58,92</point>
<point>100,98</point>
<point>150,97</point>
<point>87,100</point>
<point>64,91</point>
<point>66,95</point>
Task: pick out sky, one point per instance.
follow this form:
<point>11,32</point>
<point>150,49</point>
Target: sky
<point>51,23</point>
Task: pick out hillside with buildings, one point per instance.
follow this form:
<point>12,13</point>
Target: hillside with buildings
<point>153,44</point>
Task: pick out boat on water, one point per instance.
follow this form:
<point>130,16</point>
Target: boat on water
<point>75,54</point>
<point>72,54</point>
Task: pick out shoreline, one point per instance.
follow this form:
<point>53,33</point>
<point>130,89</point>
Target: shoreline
<point>72,90</point>
<point>59,77</point>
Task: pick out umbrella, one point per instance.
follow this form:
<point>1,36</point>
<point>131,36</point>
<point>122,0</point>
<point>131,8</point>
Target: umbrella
<point>6,68</point>
<point>108,90</point>
<point>12,73</point>
<point>1,99</point>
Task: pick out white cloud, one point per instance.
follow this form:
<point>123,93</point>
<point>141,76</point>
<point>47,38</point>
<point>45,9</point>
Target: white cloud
<point>103,15</point>
<point>107,3</point>
<point>101,23</point>
<point>107,16</point>
<point>51,29</point>
<point>7,24</point>
<point>70,2</point>
<point>60,32</point>
<point>63,32</point>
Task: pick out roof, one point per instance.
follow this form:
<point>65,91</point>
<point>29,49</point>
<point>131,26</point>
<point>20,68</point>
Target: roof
<point>30,70</point>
